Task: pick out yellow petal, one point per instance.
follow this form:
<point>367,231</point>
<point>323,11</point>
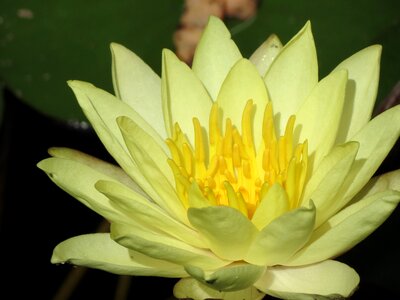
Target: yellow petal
<point>329,177</point>
<point>292,75</point>
<point>279,240</point>
<point>215,55</point>
<point>138,85</point>
<point>347,228</point>
<point>79,181</point>
<point>243,83</point>
<point>263,57</point>
<point>154,169</point>
<point>319,116</point>
<point>99,251</point>
<point>182,90</point>
<point>237,276</point>
<point>375,139</point>
<point>387,181</point>
<point>99,165</point>
<point>326,280</point>
<point>164,247</point>
<point>147,213</point>
<point>102,109</point>
<point>222,227</point>
<point>361,90</point>
<point>273,205</point>
<point>190,288</point>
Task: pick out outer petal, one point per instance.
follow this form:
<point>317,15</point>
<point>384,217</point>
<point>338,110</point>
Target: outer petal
<point>152,165</point>
<point>215,55</point>
<point>387,181</point>
<point>182,90</point>
<point>79,180</point>
<point>99,165</point>
<point>361,90</point>
<point>347,228</point>
<point>164,247</point>
<point>99,251</point>
<point>137,84</point>
<point>385,130</point>
<point>319,116</point>
<point>243,83</point>
<point>147,213</point>
<point>263,57</point>
<point>293,75</point>
<point>282,237</point>
<point>235,277</point>
<point>329,177</point>
<point>102,109</point>
<point>326,280</point>
<point>222,227</point>
<point>189,288</point>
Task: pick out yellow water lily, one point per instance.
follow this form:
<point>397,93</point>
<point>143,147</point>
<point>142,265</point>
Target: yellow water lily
<point>243,177</point>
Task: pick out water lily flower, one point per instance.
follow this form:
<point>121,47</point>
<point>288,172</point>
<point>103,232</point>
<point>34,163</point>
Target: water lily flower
<point>243,177</point>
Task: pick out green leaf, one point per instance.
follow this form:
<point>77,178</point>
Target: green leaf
<point>44,44</point>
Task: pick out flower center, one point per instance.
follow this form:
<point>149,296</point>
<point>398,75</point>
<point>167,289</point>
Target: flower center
<point>229,170</point>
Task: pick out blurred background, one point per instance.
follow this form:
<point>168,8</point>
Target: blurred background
<point>44,43</point>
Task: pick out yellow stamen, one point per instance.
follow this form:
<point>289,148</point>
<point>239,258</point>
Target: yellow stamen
<point>234,173</point>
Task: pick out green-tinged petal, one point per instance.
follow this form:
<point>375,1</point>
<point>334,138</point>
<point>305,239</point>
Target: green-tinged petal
<point>215,55</point>
<point>279,240</point>
<point>161,246</point>
<point>234,277</point>
<point>326,280</point>
<point>292,75</point>
<point>189,288</point>
<point>319,116</point>
<point>375,139</point>
<point>387,181</point>
<point>347,228</point>
<point>328,178</point>
<point>99,165</point>
<point>182,90</point>
<point>263,57</point>
<point>227,231</point>
<point>102,109</point>
<point>99,251</point>
<point>151,161</point>
<point>243,83</point>
<point>361,90</point>
<point>138,85</point>
<point>273,205</point>
<point>79,181</point>
<point>147,213</point>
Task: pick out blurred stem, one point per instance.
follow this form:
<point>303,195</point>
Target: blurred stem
<point>122,289</point>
